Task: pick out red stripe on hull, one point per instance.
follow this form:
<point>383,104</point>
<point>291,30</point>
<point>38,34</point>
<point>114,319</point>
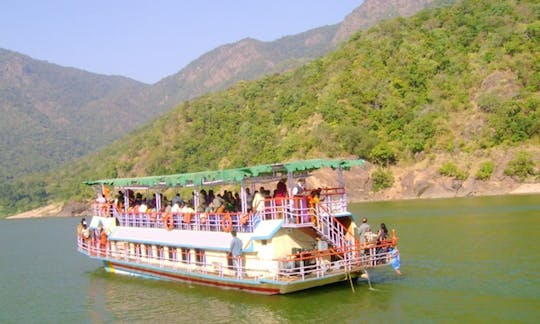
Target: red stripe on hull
<point>260,290</point>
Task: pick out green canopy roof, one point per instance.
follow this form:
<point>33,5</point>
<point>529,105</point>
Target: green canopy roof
<point>228,175</point>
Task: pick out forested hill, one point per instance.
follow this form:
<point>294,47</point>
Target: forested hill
<point>463,79</point>
<point>50,113</point>
<point>54,114</point>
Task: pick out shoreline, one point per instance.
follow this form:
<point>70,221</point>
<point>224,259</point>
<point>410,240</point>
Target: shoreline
<point>55,209</point>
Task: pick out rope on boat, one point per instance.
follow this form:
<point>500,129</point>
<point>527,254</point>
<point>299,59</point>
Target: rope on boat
<point>348,274</point>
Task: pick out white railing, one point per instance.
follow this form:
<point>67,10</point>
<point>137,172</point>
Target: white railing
<point>297,266</point>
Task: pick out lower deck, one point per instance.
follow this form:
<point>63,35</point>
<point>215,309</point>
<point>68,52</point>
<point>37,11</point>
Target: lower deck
<point>302,270</point>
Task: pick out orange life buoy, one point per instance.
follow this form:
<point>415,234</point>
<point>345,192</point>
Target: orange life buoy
<point>226,222</point>
<point>106,210</point>
<point>168,221</point>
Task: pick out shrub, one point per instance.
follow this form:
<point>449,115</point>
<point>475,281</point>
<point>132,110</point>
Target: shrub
<point>485,171</point>
<point>383,154</point>
<point>449,169</point>
<point>521,167</point>
<point>382,179</point>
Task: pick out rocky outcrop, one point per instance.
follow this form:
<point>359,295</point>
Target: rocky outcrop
<point>372,11</point>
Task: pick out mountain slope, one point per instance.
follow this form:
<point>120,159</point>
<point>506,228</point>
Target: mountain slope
<point>250,59</point>
<point>459,83</point>
<point>51,113</point>
<point>373,11</point>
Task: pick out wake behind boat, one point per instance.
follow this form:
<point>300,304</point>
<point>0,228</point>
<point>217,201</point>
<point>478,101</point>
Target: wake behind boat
<point>265,243</point>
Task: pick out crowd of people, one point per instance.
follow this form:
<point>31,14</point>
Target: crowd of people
<point>209,201</point>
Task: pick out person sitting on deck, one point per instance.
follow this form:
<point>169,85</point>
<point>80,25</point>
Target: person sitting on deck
<point>168,209</point>
<point>175,208</point>
<point>237,202</point>
<point>201,208</point>
<point>177,199</point>
<point>143,207</point>
<point>218,204</point>
<point>80,227</point>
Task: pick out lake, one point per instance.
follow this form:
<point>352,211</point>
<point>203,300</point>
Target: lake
<point>463,260</point>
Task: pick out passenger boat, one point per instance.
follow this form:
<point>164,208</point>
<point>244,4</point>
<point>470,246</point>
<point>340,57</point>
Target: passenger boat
<point>288,242</point>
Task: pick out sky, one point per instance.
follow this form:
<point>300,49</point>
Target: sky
<point>149,40</point>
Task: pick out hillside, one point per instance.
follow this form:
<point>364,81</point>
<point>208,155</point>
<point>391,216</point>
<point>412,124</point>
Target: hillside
<point>249,59</point>
<point>51,112</point>
<point>446,89</point>
<point>430,98</point>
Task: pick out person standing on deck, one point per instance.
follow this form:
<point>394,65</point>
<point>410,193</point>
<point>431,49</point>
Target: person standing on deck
<point>300,202</point>
<point>236,253</point>
<point>362,230</point>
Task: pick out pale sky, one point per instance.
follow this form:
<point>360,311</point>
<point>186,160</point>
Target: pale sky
<point>149,40</point>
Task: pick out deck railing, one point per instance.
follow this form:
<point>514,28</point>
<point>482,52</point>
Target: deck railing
<point>295,211</point>
<point>298,266</point>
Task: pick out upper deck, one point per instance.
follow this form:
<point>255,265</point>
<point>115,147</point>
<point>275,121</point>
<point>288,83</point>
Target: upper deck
<point>294,212</point>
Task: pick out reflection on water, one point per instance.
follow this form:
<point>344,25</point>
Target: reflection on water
<point>115,297</point>
<point>112,296</point>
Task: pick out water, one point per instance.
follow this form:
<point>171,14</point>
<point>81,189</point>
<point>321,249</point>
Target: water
<point>463,260</point>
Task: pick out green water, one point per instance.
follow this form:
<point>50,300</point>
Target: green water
<point>463,260</point>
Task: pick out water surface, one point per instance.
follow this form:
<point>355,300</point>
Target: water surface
<point>463,260</point>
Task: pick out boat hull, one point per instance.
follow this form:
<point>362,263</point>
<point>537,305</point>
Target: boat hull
<point>261,286</point>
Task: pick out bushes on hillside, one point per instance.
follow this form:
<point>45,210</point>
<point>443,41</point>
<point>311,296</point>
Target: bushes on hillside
<point>485,171</point>
<point>450,169</point>
<point>382,179</point>
<point>522,166</point>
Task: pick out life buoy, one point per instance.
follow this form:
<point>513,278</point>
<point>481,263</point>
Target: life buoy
<point>226,222</point>
<point>168,221</point>
<point>106,210</point>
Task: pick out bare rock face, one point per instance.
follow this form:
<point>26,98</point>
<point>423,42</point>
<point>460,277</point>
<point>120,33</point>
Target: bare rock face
<point>372,11</point>
<point>420,187</point>
<point>408,185</point>
<point>74,209</point>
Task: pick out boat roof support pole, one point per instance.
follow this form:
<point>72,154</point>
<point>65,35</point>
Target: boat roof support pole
<point>243,197</point>
<point>290,182</point>
<point>126,199</point>
<point>195,198</point>
<point>158,201</point>
<point>340,178</point>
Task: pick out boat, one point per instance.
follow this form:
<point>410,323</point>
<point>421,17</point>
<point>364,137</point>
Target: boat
<point>295,239</point>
